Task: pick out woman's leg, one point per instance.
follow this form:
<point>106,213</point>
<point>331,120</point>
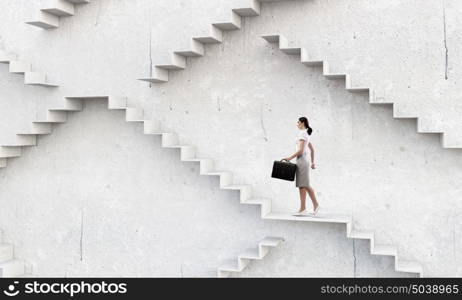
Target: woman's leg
<point>302,199</point>
<point>312,196</point>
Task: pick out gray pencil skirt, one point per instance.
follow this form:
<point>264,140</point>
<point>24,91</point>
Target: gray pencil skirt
<point>302,174</point>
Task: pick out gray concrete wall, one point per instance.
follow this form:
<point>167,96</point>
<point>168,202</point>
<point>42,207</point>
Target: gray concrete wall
<point>239,105</point>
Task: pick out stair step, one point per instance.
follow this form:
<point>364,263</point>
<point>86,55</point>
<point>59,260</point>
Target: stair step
<point>271,241</point>
<point>256,201</point>
<point>40,128</point>
<point>10,151</point>
<point>48,122</point>
<point>215,36</point>
<point>37,78</point>
<point>409,267</point>
<point>60,8</point>
<point>45,20</point>
<point>425,125</point>
<point>357,89</point>
<point>235,186</point>
<point>320,217</point>
<point>26,139</point>
<point>234,24</point>
<point>52,10</point>
<point>248,255</point>
<point>45,84</point>
<point>450,141</point>
<point>19,67</point>
<point>195,49</point>
<point>193,160</point>
<point>159,76</point>
<point>385,250</point>
<point>230,266</point>
<point>291,51</point>
<point>64,109</point>
<point>216,173</point>
<point>334,76</point>
<point>271,38</point>
<point>251,253</point>
<point>246,10</point>
<point>364,235</point>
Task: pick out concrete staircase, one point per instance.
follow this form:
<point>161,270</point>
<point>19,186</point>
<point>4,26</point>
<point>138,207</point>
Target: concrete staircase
<point>243,260</point>
<point>52,10</point>
<point>41,127</point>
<point>188,154</point>
<point>24,68</point>
<point>245,8</point>
<point>400,111</point>
<point>9,266</point>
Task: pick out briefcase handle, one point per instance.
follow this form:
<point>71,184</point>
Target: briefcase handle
<point>285,160</point>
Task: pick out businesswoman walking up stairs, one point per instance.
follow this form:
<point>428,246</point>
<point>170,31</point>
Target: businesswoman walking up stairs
<point>302,175</point>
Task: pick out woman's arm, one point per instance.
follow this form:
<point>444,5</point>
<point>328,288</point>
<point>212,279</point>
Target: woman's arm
<point>312,155</point>
<point>298,153</point>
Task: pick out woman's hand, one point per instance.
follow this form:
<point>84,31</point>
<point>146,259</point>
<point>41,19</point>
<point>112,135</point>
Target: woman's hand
<point>286,159</point>
<point>313,166</point>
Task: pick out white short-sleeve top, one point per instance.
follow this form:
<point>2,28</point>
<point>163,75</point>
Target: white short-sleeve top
<point>302,135</point>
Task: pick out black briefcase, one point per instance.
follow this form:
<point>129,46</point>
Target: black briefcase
<point>284,170</point>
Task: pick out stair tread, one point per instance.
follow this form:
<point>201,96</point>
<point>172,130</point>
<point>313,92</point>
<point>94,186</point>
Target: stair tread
<point>195,159</point>
<point>217,173</point>
<point>235,186</point>
<point>154,80</point>
<point>271,241</point>
<point>320,217</point>
<point>178,146</point>
<point>42,24</point>
<point>358,234</point>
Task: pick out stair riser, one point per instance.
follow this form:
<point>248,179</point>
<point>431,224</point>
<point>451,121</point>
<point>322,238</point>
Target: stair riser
<point>226,179</point>
<point>169,139</point>
<point>8,152</point>
<point>196,49</point>
<point>151,127</point>
<point>26,140</point>
<point>57,116</point>
<point>206,166</point>
<point>188,153</point>
<point>245,194</point>
<point>18,67</point>
<point>134,114</point>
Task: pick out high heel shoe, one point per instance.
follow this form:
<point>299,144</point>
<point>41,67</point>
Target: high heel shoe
<point>300,213</point>
<point>315,211</point>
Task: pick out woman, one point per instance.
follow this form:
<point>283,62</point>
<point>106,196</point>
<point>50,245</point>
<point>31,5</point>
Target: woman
<point>302,179</point>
